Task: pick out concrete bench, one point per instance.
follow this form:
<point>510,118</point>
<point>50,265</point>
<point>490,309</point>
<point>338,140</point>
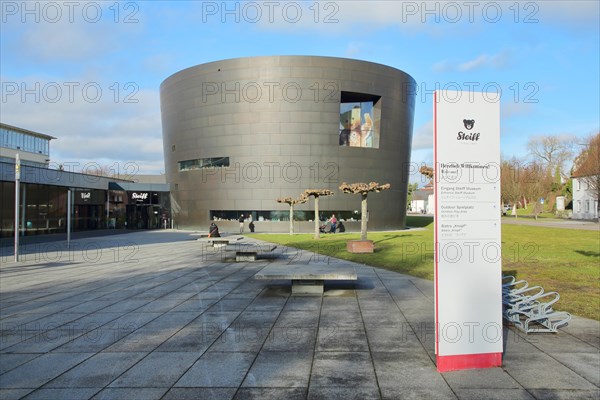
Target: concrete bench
<point>220,241</point>
<point>308,278</point>
<point>248,251</point>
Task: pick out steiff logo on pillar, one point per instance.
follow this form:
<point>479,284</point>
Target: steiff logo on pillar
<point>472,136</point>
<point>139,196</point>
<point>86,196</point>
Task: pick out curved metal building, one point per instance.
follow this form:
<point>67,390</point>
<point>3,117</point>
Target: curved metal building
<point>240,133</point>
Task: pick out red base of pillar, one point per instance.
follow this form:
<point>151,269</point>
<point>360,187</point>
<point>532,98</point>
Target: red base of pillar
<point>468,361</point>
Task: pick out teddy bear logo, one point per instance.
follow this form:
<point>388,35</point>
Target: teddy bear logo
<point>469,123</point>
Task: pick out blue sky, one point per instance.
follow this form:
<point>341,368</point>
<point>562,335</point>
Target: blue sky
<point>89,72</point>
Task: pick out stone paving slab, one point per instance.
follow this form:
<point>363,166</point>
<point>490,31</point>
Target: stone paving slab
<point>175,322</point>
<point>219,370</point>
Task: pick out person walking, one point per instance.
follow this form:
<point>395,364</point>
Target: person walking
<point>241,220</point>
<point>213,231</point>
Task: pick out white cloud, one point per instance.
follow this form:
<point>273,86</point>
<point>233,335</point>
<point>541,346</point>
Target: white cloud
<point>354,48</point>
<point>61,42</point>
<point>510,109</point>
<point>338,17</point>
<point>423,137</point>
<point>443,66</point>
<point>65,32</point>
<point>162,63</point>
<point>485,61</point>
<point>574,13</point>
<point>431,17</point>
<point>91,129</point>
<point>495,61</point>
<point>476,63</point>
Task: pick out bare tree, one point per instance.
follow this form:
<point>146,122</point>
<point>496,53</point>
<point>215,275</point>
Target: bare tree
<point>510,186</point>
<point>587,167</point>
<point>291,202</point>
<point>551,151</point>
<point>535,183</point>
<point>363,189</point>
<point>316,193</point>
<point>524,182</point>
<point>99,170</point>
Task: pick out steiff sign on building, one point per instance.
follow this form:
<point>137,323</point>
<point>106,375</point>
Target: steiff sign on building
<point>468,292</point>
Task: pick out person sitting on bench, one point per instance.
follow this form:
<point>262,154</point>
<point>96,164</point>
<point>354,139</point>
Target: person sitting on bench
<point>324,228</point>
<point>341,228</point>
<point>213,231</point>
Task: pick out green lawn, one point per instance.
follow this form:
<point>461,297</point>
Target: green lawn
<point>528,212</point>
<point>562,260</point>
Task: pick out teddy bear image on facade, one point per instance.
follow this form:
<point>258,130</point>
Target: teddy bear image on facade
<point>355,128</point>
<point>366,139</point>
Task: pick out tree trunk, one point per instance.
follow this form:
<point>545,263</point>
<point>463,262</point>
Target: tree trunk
<point>363,217</point>
<point>291,219</point>
<point>317,222</point>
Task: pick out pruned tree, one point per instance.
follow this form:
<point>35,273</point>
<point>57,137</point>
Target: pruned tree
<point>316,193</point>
<point>427,171</point>
<point>363,189</point>
<point>292,202</point>
<point>587,168</point>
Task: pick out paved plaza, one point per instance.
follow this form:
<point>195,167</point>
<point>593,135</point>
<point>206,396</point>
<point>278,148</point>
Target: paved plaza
<point>155,315</point>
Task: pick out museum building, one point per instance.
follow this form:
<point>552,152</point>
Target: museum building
<point>240,133</point>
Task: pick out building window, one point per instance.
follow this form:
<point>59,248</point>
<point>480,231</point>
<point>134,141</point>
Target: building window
<point>587,206</point>
<point>578,206</point>
<point>200,163</point>
<point>283,215</point>
<point>360,120</point>
<point>21,141</point>
<point>173,148</point>
<point>578,184</point>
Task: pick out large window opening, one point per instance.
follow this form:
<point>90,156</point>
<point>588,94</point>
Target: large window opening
<point>283,215</point>
<point>360,120</point>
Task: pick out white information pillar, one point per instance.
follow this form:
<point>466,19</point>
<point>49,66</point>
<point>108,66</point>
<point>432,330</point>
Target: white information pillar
<point>468,276</point>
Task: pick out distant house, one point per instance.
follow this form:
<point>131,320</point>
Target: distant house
<point>585,200</point>
<point>586,181</point>
<point>422,200</point>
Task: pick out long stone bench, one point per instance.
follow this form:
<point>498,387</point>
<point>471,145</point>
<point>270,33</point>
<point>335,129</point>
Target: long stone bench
<point>248,251</point>
<point>308,278</point>
<point>220,241</point>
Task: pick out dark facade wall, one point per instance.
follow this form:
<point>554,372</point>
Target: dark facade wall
<point>278,121</point>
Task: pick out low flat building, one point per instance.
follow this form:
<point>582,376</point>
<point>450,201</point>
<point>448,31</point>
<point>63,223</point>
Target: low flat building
<point>97,202</point>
